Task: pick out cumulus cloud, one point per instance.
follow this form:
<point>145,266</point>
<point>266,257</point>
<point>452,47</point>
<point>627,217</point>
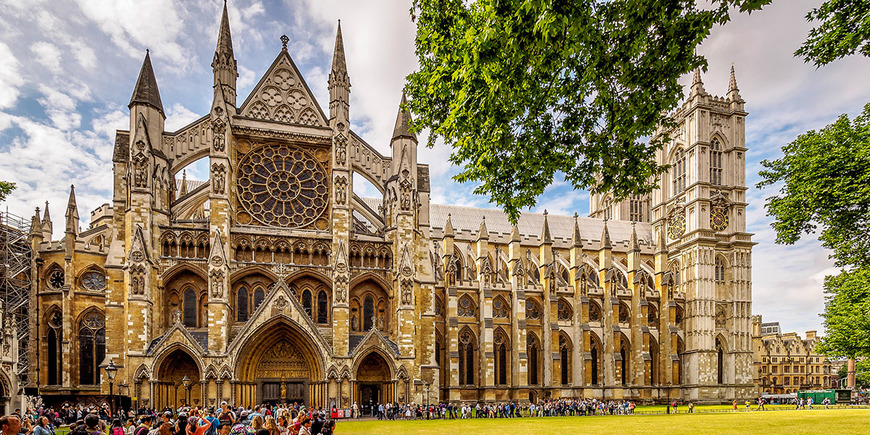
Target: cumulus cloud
<point>47,55</point>
<point>10,77</point>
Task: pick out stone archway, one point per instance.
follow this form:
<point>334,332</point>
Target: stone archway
<point>279,363</point>
<point>169,388</point>
<point>374,381</point>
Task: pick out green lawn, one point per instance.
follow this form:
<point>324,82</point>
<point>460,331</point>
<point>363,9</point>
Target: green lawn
<point>834,421</point>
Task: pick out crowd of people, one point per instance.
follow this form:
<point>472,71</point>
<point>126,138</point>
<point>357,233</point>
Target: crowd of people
<point>289,419</point>
<point>546,408</point>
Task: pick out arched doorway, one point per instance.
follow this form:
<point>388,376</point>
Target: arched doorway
<point>373,381</point>
<point>279,364</point>
<point>170,389</point>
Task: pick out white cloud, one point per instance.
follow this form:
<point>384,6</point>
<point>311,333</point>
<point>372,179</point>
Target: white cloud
<point>179,116</point>
<point>10,77</point>
<point>47,55</point>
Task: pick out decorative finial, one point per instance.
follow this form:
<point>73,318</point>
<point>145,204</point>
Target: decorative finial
<point>284,41</point>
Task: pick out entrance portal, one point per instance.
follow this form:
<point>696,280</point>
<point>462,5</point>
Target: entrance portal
<point>170,389</point>
<point>373,378</point>
<point>279,364</point>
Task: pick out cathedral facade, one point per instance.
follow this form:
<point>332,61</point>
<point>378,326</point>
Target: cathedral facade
<point>272,281</point>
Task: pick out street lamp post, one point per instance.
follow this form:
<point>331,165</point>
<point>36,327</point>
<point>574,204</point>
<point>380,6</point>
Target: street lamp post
<point>426,385</point>
<point>111,371</point>
<point>186,381</point>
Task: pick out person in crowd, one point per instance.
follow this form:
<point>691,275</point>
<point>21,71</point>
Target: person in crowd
<point>305,428</point>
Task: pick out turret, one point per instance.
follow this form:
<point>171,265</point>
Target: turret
<point>633,251</point>
<point>36,226</point>
<point>697,84</point>
<point>339,81</point>
<point>546,251</point>
<point>47,226</point>
<point>224,64</point>
<point>402,187</point>
<point>72,214</point>
<point>146,127</point>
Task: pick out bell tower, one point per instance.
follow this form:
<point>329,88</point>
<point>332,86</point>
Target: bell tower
<point>701,209</point>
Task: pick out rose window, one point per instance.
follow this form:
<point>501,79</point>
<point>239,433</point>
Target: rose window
<point>93,281</point>
<point>56,279</point>
<point>282,186</point>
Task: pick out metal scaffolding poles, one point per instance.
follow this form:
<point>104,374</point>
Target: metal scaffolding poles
<point>16,263</point>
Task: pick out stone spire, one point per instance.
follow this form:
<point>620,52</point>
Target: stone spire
<point>448,227</point>
<point>515,234</point>
<point>733,91</point>
<point>72,212</point>
<point>635,247</point>
<point>697,84</point>
<point>339,82</point>
<point>403,121</point>
<point>36,225</point>
<point>575,238</point>
<point>183,189</point>
<point>224,64</point>
<point>605,237</point>
<point>339,65</point>
<point>146,91</point>
<point>663,242</point>
<point>545,231</point>
<point>482,232</point>
<point>47,226</point>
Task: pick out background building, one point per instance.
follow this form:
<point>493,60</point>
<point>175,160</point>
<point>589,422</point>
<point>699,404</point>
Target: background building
<point>785,363</point>
<point>273,281</point>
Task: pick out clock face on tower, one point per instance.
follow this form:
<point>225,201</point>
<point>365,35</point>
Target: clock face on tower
<point>719,219</point>
<point>677,224</point>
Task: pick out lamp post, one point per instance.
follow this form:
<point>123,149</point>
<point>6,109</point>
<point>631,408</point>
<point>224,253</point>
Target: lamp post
<point>186,381</point>
<point>111,371</point>
<point>426,387</point>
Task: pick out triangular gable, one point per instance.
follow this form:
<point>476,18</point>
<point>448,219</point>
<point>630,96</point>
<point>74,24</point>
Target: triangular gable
<point>281,302</point>
<point>374,338</point>
<point>176,334</point>
<point>138,253</point>
<point>283,96</point>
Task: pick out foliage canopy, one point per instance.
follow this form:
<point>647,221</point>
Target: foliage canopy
<point>525,89</point>
<point>6,187</point>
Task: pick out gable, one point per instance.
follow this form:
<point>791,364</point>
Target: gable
<point>283,96</point>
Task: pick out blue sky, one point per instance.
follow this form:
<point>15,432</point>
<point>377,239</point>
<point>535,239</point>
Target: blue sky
<point>68,70</point>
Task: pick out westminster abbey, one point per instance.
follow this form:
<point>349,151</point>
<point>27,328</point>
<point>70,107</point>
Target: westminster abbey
<point>273,281</point>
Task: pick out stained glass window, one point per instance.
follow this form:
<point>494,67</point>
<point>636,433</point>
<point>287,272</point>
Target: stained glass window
<point>533,311</point>
<point>92,347</point>
<point>242,305</point>
<point>281,185</point>
<point>499,308</point>
<point>564,309</point>
<point>93,281</point>
<point>368,312</point>
<point>259,295</point>
<point>322,313</point>
<point>189,308</point>
<point>56,279</point>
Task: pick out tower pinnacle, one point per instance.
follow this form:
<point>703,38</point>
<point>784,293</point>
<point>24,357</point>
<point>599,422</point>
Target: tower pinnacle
<point>146,91</point>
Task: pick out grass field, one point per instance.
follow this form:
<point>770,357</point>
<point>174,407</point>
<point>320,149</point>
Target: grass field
<point>829,422</point>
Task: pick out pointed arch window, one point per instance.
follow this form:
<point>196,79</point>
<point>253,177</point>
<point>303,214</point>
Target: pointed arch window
<point>501,360</point>
<point>623,353</point>
<point>466,358</point>
<point>720,362</point>
<point>720,270</point>
<point>500,308</point>
<point>322,307</point>
<point>565,359</point>
<point>678,172</point>
<point>636,208</point>
<point>533,310</point>
<point>92,347</point>
<point>306,301</point>
<point>715,162</point>
<point>368,312</point>
<point>259,296</point>
<point>533,350</point>
<point>55,355</point>
<point>467,307</point>
<point>189,307</point>
<point>564,310</point>
<point>595,354</point>
<point>242,304</point>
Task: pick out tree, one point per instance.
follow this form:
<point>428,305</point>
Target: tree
<point>525,89</point>
<point>6,188</point>
<point>844,30</point>
<point>825,178</point>
<point>847,314</point>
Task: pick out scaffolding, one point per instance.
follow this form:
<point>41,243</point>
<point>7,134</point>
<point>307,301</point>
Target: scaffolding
<point>15,285</point>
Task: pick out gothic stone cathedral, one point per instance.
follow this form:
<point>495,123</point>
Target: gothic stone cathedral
<point>274,282</point>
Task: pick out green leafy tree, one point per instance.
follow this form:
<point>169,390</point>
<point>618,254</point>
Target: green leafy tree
<point>847,314</point>
<point>825,178</point>
<point>844,30</point>
<point>6,188</point>
<point>525,89</point>
<point>826,184</point>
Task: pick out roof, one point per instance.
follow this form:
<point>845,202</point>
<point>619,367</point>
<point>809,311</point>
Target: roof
<point>146,91</point>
